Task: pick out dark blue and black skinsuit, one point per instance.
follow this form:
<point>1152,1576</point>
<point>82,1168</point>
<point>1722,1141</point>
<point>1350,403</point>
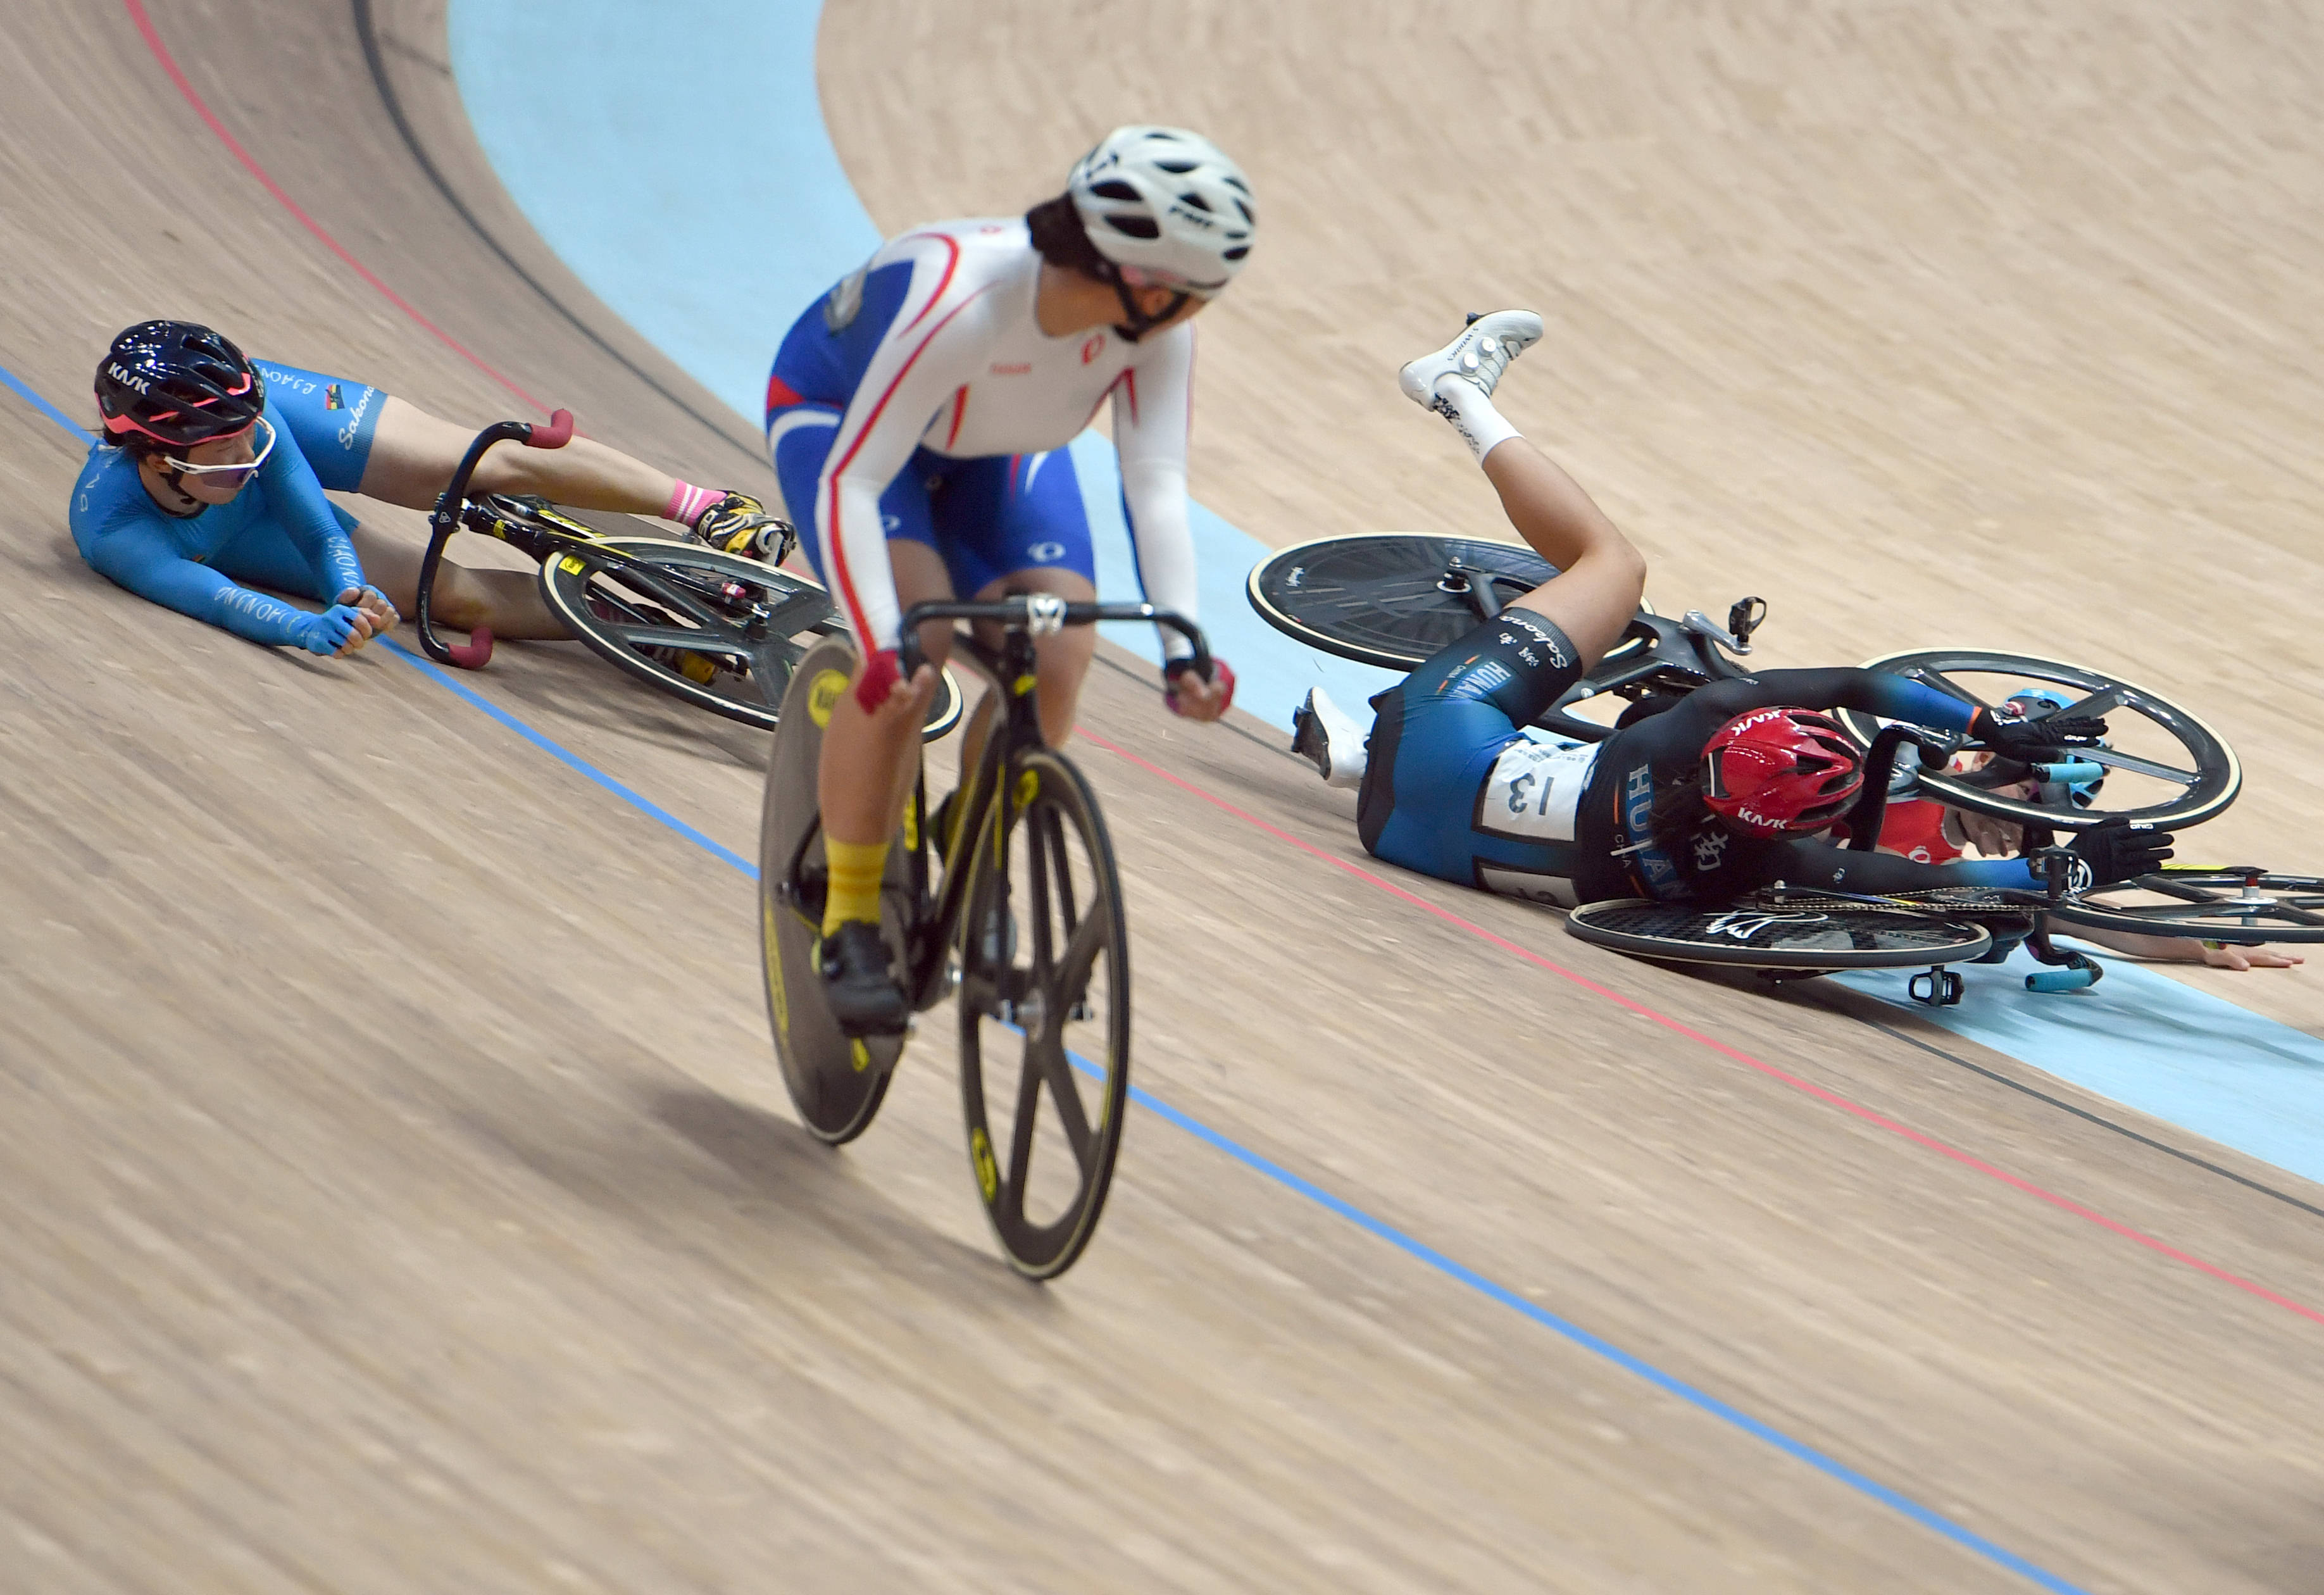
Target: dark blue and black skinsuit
<point>1454,788</point>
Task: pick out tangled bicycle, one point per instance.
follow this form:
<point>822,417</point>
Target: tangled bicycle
<point>1393,599</point>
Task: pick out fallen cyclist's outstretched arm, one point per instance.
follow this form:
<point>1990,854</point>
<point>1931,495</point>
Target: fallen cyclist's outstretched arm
<point>138,557</point>
<point>1868,692</point>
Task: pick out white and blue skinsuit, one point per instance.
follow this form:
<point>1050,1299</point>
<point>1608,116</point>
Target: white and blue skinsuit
<point>920,399</point>
<point>279,532</point>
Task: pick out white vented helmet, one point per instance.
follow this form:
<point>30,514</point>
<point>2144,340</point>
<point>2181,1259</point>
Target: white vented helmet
<point>1166,202</point>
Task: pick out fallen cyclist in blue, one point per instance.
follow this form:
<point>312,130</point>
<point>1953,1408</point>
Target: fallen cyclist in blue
<point>211,470</point>
<point>1728,789</point>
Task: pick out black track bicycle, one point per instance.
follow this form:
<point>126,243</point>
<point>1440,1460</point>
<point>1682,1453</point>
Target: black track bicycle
<point>1393,599</point>
<point>721,632</point>
<point>1007,894</point>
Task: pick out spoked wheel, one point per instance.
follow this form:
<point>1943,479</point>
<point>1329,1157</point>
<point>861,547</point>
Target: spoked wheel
<point>1818,936</point>
<point>719,630</point>
<point>2161,762</point>
<point>2246,906</point>
<point>1045,1016</point>
<point>835,1082</point>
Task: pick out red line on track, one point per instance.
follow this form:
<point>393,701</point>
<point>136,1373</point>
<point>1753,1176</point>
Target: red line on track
<point>137,15</point>
<point>1821,1093</point>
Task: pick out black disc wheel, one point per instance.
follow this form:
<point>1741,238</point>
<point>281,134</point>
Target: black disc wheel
<point>835,1082</point>
<point>1390,598</point>
<point>1044,1015</point>
<point>719,630</point>
<point>2247,908</point>
<point>1817,935</point>
<point>2161,764</point>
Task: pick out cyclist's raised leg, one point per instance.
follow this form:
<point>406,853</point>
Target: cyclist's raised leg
<point>1435,735</point>
<point>1600,575</point>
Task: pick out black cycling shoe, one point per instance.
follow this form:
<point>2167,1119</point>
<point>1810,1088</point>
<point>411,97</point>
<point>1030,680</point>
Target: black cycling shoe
<point>863,995</point>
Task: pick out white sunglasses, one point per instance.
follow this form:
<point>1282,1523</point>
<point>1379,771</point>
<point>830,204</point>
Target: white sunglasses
<point>239,470</point>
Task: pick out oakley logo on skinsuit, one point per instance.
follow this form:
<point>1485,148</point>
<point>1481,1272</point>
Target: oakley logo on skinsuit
<point>1046,553</point>
<point>1094,348</point>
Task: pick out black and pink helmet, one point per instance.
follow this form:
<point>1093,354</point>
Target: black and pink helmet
<point>177,384</point>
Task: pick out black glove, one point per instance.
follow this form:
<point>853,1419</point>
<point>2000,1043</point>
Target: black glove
<point>2027,740</point>
<point>2119,850</point>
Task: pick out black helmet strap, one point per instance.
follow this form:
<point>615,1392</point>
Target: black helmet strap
<point>1136,323</point>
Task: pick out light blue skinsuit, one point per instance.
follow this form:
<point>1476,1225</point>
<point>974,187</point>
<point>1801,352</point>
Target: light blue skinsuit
<point>280,532</point>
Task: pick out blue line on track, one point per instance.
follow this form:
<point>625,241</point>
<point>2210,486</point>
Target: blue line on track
<point>9,379</point>
<point>572,760</point>
<point>1702,1400</point>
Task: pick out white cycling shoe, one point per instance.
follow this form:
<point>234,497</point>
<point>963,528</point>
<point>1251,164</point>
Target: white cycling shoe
<point>1480,355</point>
<point>1329,740</point>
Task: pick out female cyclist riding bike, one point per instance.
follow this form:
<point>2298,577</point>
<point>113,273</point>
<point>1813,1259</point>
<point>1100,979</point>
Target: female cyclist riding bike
<point>166,506</point>
<point>918,416</point>
<point>1723,792</point>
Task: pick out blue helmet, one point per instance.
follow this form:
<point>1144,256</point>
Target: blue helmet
<point>2035,702</point>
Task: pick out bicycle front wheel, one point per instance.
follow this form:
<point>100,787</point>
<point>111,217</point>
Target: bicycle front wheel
<point>1044,1015</point>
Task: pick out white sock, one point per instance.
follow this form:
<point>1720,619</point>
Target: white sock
<point>1471,410</point>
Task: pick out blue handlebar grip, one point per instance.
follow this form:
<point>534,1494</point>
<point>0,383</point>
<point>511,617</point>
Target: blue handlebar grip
<point>2079,770</point>
<point>2061,980</point>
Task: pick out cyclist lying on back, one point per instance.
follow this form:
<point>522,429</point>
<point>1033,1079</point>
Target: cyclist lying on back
<point>1724,791</point>
<point>210,473</point>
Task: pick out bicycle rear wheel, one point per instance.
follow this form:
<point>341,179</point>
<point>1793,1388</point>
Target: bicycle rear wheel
<point>721,632</point>
<point>1044,1015</point>
<point>835,1082</point>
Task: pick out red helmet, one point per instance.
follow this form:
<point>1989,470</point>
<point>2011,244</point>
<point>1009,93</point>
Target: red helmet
<point>1775,771</point>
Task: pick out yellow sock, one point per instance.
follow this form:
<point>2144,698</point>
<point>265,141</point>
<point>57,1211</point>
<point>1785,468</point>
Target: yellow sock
<point>855,871</point>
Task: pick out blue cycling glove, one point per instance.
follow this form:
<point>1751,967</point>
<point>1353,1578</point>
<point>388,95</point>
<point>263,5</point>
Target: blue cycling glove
<point>329,631</point>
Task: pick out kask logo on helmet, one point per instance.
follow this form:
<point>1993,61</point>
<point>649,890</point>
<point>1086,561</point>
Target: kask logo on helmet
<point>127,379</point>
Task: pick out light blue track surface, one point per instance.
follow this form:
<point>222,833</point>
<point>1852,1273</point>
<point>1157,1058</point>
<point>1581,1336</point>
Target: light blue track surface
<point>703,110</point>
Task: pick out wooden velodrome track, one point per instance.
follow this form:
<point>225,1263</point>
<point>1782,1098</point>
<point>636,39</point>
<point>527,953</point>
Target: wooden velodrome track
<point>399,1193</point>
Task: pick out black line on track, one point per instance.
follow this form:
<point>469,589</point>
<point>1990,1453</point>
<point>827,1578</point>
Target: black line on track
<point>2084,1113</point>
<point>368,35</point>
